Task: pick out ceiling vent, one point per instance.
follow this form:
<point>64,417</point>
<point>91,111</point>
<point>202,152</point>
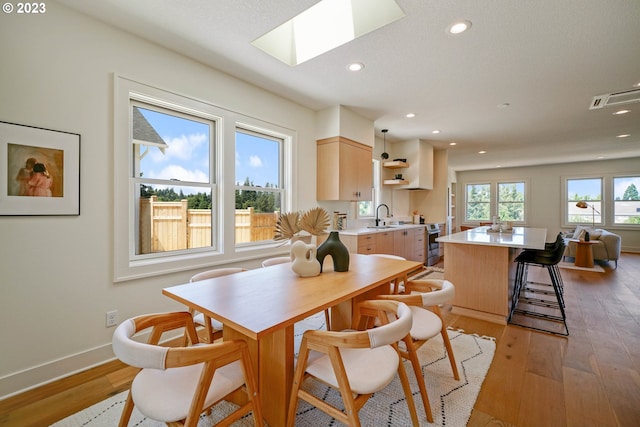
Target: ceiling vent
<point>615,99</point>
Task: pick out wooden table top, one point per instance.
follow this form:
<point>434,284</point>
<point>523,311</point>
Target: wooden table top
<point>259,301</point>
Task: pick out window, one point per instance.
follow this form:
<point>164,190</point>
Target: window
<point>626,200</point>
<point>478,203</point>
<point>186,173</point>
<point>259,185</point>
<point>511,201</point>
<point>585,192</point>
<point>366,209</point>
<point>173,183</point>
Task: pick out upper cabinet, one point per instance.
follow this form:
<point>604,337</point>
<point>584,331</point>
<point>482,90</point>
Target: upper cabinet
<point>345,170</point>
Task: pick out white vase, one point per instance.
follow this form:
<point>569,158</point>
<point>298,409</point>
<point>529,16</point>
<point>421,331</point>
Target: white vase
<point>304,261</point>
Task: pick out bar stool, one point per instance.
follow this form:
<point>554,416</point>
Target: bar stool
<point>528,294</point>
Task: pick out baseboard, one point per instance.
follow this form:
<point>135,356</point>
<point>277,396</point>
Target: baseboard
<point>36,376</point>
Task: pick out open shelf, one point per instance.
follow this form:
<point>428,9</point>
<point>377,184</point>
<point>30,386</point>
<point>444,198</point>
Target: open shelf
<point>395,182</point>
<point>395,165</point>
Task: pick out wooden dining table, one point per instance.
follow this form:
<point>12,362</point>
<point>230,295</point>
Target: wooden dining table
<point>262,305</point>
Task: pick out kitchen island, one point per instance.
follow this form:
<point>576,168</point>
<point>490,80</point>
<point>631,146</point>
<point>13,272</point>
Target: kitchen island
<point>480,264</point>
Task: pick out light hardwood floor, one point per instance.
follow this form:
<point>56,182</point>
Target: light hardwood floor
<point>591,378</point>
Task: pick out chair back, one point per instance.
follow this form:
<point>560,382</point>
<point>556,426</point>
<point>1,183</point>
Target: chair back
<point>137,354</point>
<point>444,293</point>
<point>216,272</point>
<point>394,331</point>
<point>277,260</point>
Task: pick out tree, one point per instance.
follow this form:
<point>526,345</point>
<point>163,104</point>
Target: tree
<point>631,193</point>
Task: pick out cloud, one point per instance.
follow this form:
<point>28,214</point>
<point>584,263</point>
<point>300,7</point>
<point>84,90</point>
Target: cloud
<point>255,162</point>
<point>181,174</point>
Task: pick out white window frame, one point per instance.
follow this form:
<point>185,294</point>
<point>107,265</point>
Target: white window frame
<point>375,190</point>
<point>604,196</point>
<point>493,199</point>
<point>614,201</point>
<point>526,203</point>
<point>128,266</point>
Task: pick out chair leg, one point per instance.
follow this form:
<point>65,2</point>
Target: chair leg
<point>412,355</point>
<point>126,411</point>
<point>407,391</point>
<point>327,319</point>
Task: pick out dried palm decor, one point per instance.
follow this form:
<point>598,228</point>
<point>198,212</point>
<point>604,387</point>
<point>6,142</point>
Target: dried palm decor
<point>314,221</point>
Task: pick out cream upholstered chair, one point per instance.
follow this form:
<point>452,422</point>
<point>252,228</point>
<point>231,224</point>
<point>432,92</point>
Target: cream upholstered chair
<point>176,384</point>
<point>277,260</point>
<point>212,326</point>
<point>356,363</point>
<point>424,296</point>
<point>283,259</point>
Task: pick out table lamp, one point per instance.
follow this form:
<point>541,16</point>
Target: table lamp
<point>583,205</point>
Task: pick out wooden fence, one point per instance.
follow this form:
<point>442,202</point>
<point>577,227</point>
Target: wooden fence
<point>170,226</point>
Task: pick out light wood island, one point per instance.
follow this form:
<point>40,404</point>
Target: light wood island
<point>480,264</point>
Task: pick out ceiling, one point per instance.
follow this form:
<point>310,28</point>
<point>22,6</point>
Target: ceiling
<point>546,59</point>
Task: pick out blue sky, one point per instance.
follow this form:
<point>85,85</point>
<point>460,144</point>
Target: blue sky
<point>187,157</point>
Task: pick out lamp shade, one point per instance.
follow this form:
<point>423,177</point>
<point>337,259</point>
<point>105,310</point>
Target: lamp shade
<point>582,204</point>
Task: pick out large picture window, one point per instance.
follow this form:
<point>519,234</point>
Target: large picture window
<point>195,185</point>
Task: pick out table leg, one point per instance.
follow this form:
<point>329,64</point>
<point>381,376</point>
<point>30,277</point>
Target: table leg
<point>273,361</point>
<point>584,255</point>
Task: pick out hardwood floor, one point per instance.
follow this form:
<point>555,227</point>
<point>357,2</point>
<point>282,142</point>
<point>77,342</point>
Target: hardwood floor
<point>591,378</point>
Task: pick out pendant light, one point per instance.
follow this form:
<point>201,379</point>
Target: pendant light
<point>384,154</point>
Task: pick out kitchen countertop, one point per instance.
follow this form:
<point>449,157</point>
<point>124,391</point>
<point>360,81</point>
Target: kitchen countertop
<point>365,230</point>
<point>519,237</point>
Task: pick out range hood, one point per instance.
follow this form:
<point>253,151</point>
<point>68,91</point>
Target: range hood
<point>419,155</point>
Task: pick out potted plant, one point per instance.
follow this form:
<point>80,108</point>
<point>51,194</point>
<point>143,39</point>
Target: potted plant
<point>290,225</point>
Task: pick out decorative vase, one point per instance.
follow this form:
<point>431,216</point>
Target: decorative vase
<point>304,261</point>
<point>337,250</point>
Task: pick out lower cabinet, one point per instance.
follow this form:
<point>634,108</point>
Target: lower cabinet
<point>408,243</point>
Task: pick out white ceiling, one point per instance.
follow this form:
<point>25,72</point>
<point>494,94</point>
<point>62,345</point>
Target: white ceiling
<point>546,58</point>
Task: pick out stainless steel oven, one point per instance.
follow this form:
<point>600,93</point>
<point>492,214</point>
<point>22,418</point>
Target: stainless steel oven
<point>433,247</point>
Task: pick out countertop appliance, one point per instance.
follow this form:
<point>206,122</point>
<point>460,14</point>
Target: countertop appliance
<point>433,247</point>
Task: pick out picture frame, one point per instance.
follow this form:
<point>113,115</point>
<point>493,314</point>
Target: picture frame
<point>39,171</point>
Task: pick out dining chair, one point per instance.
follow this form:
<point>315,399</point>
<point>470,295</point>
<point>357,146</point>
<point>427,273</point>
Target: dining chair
<point>283,259</point>
<point>424,296</point>
<point>356,363</point>
<point>177,384</point>
<point>397,285</point>
<point>212,326</point>
<point>277,260</point>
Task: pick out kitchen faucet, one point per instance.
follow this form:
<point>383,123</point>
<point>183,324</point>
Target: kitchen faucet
<point>377,213</point>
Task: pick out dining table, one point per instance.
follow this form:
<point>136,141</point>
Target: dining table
<point>262,305</point>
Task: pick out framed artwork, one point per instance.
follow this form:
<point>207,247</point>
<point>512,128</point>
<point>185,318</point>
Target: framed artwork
<point>39,171</point>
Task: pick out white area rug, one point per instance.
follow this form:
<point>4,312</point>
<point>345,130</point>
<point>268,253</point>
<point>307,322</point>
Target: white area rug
<point>451,400</point>
<point>571,266</point>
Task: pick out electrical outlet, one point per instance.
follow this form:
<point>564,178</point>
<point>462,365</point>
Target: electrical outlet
<point>112,318</point>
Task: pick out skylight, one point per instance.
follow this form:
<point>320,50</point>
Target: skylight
<point>325,26</point>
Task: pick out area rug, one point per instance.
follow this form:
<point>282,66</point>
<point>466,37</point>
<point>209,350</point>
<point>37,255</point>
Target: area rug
<point>451,400</point>
<point>571,266</point>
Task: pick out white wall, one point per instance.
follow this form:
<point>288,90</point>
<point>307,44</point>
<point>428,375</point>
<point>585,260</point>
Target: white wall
<point>546,191</point>
<point>57,272</point>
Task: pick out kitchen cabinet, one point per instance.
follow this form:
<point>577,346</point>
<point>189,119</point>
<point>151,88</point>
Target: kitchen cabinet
<point>345,170</point>
<point>410,244</point>
<point>384,242</point>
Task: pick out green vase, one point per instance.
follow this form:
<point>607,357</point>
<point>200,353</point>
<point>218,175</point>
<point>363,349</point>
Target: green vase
<point>337,250</point>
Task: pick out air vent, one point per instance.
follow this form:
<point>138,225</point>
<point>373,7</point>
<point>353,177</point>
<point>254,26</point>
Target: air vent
<point>615,99</point>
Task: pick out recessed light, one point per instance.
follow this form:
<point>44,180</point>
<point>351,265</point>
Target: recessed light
<point>356,66</point>
<point>636,84</point>
<point>435,131</point>
<point>624,135</point>
<point>482,152</point>
<point>617,113</point>
<point>504,105</point>
<point>498,166</point>
<point>459,27</point>
<point>453,143</point>
<point>410,115</point>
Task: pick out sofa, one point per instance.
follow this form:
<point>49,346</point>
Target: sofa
<point>606,247</point>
